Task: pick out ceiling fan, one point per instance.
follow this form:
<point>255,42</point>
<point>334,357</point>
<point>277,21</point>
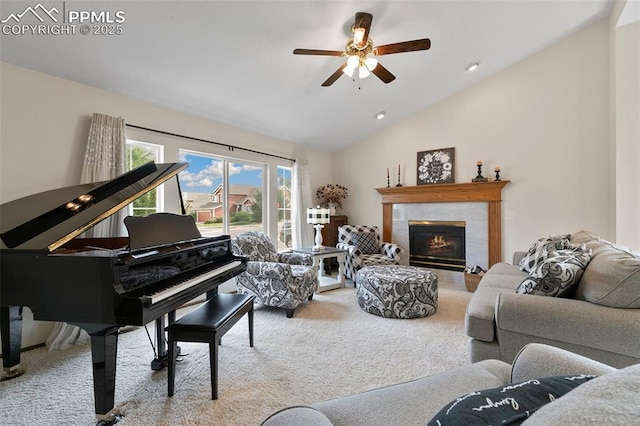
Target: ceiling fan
<point>360,51</point>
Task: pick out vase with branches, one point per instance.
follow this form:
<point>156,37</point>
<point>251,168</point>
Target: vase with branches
<point>331,195</point>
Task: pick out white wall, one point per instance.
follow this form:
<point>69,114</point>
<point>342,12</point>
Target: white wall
<point>43,130</point>
<point>627,134</point>
<point>544,120</point>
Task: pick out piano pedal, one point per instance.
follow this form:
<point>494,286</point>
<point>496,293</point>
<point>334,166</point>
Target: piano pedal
<point>180,355</point>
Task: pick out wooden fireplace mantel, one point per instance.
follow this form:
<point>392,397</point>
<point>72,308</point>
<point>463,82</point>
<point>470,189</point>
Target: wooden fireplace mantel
<point>489,192</point>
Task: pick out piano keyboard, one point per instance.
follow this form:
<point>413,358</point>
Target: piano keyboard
<point>167,293</point>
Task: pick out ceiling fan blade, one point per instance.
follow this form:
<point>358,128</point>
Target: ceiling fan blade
<point>363,20</point>
<point>405,46</point>
<point>317,52</point>
<point>383,74</point>
<point>336,75</point>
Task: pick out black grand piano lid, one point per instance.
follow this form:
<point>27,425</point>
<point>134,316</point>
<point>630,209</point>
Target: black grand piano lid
<point>47,220</point>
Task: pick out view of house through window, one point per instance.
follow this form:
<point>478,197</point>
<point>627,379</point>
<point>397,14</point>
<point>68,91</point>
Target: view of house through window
<point>218,208</point>
<point>139,153</point>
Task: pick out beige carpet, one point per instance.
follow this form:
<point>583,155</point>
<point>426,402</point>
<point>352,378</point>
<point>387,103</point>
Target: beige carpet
<point>330,348</point>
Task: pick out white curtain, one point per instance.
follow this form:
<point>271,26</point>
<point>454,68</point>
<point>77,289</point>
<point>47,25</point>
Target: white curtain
<point>104,160</point>
<point>301,232</point>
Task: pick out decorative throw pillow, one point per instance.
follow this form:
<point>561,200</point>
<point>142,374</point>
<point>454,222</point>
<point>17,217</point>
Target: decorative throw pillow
<point>612,278</point>
<point>367,242</point>
<point>541,248</point>
<point>510,404</point>
<point>558,274</point>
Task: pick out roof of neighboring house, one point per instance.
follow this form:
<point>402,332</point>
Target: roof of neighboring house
<point>238,189</point>
<point>245,200</point>
<point>208,205</point>
<point>196,199</point>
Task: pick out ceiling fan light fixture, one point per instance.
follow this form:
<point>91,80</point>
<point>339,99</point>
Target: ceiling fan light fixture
<point>371,63</point>
<point>348,71</point>
<point>352,62</point>
<point>363,72</point>
<point>358,49</point>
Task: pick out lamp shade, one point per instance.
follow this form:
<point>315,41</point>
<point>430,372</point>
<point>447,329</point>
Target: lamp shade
<point>317,216</point>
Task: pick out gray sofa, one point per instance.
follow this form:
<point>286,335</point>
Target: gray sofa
<point>611,398</point>
<point>600,320</point>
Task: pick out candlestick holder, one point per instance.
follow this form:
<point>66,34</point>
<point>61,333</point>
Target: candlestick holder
<point>480,178</point>
<point>497,175</point>
<point>388,183</point>
<point>399,184</point>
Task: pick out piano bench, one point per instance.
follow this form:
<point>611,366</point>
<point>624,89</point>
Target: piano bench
<point>207,324</point>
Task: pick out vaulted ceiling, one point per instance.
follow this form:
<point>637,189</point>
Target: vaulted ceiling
<point>232,61</point>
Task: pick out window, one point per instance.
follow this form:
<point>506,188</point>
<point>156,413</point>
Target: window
<point>224,196</point>
<point>285,236</point>
<point>139,153</point>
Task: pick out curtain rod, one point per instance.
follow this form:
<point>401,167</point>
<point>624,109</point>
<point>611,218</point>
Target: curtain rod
<point>230,147</point>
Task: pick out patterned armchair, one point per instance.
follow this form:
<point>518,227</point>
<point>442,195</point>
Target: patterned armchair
<point>282,280</point>
<point>365,249</point>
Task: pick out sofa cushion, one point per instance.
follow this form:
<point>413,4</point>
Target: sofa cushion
<point>541,248</point>
<point>506,404</point>
<point>582,237</point>
<point>612,278</point>
<point>611,399</point>
<point>558,274</point>
<point>415,402</point>
<point>480,316</point>
<point>366,242</point>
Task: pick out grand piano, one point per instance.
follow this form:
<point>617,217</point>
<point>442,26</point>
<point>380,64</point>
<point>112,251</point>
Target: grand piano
<point>99,284</point>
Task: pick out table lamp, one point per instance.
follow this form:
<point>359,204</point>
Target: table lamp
<point>318,217</point>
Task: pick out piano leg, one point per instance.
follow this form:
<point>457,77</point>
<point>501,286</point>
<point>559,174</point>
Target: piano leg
<point>161,361</point>
<point>104,345</point>
<point>11,333</point>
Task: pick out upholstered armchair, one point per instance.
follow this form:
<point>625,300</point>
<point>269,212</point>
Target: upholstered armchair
<point>283,280</point>
<point>365,249</point>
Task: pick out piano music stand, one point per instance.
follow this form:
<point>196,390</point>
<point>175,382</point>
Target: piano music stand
<point>143,231</point>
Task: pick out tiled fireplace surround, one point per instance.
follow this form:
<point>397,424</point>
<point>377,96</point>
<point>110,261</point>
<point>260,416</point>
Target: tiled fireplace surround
<point>478,204</point>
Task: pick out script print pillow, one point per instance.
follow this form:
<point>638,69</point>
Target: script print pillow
<point>510,404</point>
<point>541,248</point>
<point>558,274</point>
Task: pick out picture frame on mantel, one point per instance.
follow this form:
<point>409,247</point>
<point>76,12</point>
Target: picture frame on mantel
<point>436,166</point>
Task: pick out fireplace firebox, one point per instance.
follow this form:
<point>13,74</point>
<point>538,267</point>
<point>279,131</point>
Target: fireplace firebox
<point>437,244</point>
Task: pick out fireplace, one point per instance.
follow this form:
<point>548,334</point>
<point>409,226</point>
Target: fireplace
<point>437,244</point>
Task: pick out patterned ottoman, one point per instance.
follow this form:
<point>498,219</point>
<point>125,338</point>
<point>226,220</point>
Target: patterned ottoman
<point>395,291</point>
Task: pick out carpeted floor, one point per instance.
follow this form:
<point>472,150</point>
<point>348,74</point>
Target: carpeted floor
<point>330,348</point>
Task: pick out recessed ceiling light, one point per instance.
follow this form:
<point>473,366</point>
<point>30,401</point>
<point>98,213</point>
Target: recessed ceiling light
<point>472,66</point>
<point>380,115</point>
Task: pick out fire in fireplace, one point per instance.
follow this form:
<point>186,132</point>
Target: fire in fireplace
<point>437,244</point>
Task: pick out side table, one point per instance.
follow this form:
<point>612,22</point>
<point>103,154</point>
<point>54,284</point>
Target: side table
<point>326,282</point>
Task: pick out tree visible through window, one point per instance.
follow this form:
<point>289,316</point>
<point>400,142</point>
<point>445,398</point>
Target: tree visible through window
<point>139,153</point>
